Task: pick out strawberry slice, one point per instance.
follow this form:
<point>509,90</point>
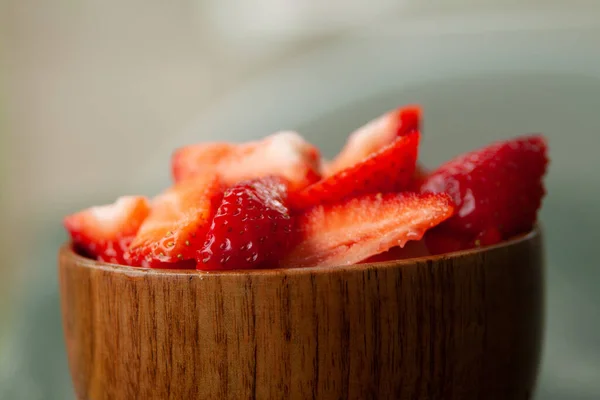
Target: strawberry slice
<point>105,232</point>
<point>374,136</point>
<point>442,239</point>
<point>412,249</point>
<point>359,228</point>
<point>497,187</point>
<point>178,222</point>
<point>285,154</point>
<point>388,170</point>
<point>488,237</point>
<point>185,264</point>
<point>251,228</point>
<point>418,178</point>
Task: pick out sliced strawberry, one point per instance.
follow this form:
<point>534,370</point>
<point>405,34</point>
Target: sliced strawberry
<point>284,154</point>
<point>185,264</point>
<point>388,170</point>
<point>418,178</point>
<point>440,240</point>
<point>497,187</point>
<point>374,136</point>
<point>178,222</point>
<point>359,228</point>
<point>105,232</point>
<point>487,237</point>
<point>412,249</point>
<point>251,228</point>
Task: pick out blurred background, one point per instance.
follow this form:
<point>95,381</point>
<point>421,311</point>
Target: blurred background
<point>95,95</point>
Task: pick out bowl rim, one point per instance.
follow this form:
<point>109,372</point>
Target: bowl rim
<point>82,261</point>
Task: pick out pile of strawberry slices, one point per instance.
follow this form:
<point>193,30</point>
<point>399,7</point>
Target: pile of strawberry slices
<point>277,203</point>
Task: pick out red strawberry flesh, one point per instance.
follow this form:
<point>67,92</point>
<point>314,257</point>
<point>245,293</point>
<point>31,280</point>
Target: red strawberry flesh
<point>389,170</point>
<point>412,249</point>
<point>374,136</point>
<point>440,240</point>
<point>497,187</point>
<point>105,232</point>
<point>284,154</point>
<point>418,178</point>
<point>286,207</point>
<point>251,229</point>
<point>359,228</point>
<point>178,222</point>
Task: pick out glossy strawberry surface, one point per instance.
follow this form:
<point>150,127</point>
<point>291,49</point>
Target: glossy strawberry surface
<point>497,187</point>
<point>374,136</point>
<point>354,230</point>
<point>284,154</point>
<point>252,227</point>
<point>105,232</point>
<point>178,222</point>
<point>388,170</point>
<point>275,203</point>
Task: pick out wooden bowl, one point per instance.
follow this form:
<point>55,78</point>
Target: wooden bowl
<point>465,325</point>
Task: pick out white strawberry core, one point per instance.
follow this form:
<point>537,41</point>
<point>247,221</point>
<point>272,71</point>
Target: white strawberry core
<point>289,148</point>
<point>110,216</point>
<point>376,133</point>
<point>111,212</point>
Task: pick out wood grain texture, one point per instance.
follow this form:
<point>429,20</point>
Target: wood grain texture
<point>463,326</point>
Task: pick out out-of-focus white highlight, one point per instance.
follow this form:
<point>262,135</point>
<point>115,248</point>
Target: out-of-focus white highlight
<point>294,17</point>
